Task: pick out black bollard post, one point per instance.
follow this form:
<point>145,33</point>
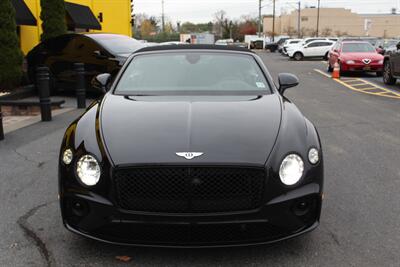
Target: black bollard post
<point>43,84</point>
<point>80,85</point>
<point>1,126</point>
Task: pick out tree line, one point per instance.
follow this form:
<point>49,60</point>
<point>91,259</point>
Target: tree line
<point>150,28</point>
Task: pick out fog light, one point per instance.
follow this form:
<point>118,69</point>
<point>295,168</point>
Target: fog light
<point>67,156</point>
<point>78,208</point>
<point>313,156</point>
<point>301,208</point>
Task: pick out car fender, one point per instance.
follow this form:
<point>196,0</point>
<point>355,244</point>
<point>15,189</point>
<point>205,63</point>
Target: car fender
<point>296,135</point>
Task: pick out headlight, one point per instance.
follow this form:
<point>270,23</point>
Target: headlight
<point>350,62</point>
<point>291,169</point>
<point>88,170</point>
<point>67,156</point>
<point>313,156</point>
<point>380,62</point>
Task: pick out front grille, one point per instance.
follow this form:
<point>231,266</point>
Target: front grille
<point>189,189</point>
<point>195,234</point>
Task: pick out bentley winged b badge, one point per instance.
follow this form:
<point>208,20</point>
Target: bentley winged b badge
<point>189,155</point>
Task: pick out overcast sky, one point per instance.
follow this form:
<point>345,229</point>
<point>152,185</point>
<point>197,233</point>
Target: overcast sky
<point>202,10</point>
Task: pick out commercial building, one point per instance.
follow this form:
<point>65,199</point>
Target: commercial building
<point>335,22</point>
<point>112,16</point>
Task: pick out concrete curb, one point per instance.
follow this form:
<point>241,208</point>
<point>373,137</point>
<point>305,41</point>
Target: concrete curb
<point>33,120</point>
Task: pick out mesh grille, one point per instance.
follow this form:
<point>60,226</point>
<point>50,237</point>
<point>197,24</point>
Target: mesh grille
<point>189,189</point>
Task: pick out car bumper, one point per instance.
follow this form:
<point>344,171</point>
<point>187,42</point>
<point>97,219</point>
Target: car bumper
<point>276,220</point>
<point>362,67</point>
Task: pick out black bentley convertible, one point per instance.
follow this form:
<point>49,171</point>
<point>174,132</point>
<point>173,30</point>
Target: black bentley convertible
<point>191,146</point>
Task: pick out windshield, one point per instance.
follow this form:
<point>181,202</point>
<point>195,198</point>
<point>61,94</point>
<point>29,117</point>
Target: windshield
<point>118,44</point>
<point>193,73</point>
<point>357,47</point>
<point>390,43</point>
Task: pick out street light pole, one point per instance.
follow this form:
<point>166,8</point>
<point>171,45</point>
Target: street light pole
<point>163,16</point>
<point>318,17</point>
<point>298,20</point>
<point>259,18</point>
<point>273,23</point>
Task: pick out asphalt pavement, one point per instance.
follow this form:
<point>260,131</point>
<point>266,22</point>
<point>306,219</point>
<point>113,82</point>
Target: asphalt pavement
<point>360,224</point>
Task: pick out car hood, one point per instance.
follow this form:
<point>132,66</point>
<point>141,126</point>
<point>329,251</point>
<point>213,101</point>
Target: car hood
<point>228,130</point>
<point>360,56</point>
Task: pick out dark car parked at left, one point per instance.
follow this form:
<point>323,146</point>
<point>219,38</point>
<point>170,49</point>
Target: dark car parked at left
<point>99,52</point>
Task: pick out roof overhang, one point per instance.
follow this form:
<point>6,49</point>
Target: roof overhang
<point>80,16</point>
<point>23,15</point>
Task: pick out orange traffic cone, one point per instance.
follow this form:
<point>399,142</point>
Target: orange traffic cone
<point>336,71</point>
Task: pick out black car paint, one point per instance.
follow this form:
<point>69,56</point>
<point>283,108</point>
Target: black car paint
<point>392,66</point>
<point>284,130</point>
<point>60,53</point>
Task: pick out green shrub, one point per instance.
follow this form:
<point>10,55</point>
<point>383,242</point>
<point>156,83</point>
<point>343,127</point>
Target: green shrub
<point>53,17</point>
<point>163,37</point>
<point>10,52</point>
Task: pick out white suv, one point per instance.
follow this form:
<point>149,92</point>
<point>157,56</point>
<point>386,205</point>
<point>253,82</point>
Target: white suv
<point>319,48</point>
<point>290,43</point>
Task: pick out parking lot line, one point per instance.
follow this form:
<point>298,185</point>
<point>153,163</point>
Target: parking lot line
<point>323,73</point>
<point>383,88</point>
<point>358,84</point>
<point>348,83</point>
<point>369,88</point>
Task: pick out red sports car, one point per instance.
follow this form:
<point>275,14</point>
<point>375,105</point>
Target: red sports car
<point>355,56</point>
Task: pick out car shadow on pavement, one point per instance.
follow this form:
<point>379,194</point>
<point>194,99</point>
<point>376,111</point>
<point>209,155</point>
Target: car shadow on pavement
<point>203,256</point>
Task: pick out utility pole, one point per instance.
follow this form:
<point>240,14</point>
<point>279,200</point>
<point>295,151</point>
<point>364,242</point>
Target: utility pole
<point>273,23</point>
<point>319,1</point>
<point>298,21</point>
<point>259,17</point>
<point>162,16</point>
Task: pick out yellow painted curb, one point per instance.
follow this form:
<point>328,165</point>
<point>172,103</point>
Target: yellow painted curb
<point>345,82</point>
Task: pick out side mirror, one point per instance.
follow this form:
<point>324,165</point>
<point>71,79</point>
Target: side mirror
<point>99,55</point>
<point>287,80</point>
<point>101,82</point>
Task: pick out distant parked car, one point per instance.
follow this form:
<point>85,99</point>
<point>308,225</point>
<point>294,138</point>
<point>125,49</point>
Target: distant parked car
<point>371,40</point>
<point>311,39</point>
<point>173,43</point>
<point>224,42</point>
<point>313,49</point>
<point>99,52</point>
<point>383,45</point>
<point>355,56</point>
<point>290,43</point>
<point>274,46</point>
<point>257,44</point>
<point>392,66</point>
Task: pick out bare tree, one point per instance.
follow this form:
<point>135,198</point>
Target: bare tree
<point>326,31</point>
<point>312,32</point>
<point>340,33</point>
<point>219,19</point>
<point>304,32</point>
<point>290,31</point>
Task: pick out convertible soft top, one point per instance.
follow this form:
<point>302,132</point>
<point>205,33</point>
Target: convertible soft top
<point>192,47</point>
